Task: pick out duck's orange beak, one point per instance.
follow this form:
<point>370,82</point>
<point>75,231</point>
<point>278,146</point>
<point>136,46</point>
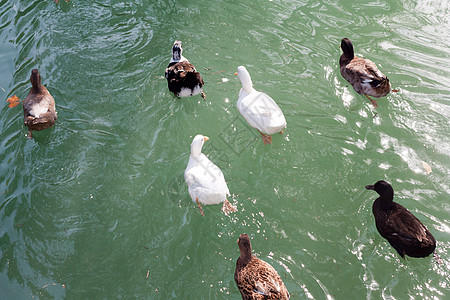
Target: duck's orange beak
<point>206,138</point>
<point>235,73</point>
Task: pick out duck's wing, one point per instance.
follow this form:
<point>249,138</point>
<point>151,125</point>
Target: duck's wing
<point>259,280</point>
<point>37,104</point>
<point>27,105</point>
<point>185,73</point>
<point>406,233</point>
<point>364,71</point>
<point>406,226</point>
<point>373,74</point>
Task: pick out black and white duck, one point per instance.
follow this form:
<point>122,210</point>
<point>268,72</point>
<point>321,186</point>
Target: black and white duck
<point>39,106</point>
<point>399,226</point>
<point>363,74</point>
<point>182,77</point>
<point>255,278</point>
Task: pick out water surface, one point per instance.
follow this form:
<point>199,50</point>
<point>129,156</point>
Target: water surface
<point>97,207</point>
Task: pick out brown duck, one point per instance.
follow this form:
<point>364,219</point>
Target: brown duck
<point>363,74</point>
<point>182,78</point>
<point>39,106</point>
<point>256,279</point>
<point>400,227</point>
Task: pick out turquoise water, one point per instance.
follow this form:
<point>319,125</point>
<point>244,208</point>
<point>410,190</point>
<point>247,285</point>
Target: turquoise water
<point>97,207</point>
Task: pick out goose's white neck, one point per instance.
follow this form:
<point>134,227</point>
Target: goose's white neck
<point>196,152</point>
<point>246,80</point>
<point>196,148</point>
<point>247,85</point>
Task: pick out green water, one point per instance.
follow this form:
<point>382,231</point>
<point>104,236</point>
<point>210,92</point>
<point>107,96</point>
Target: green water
<point>97,207</point>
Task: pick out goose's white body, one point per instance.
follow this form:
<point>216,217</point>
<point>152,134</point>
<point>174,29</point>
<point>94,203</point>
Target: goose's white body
<point>204,179</point>
<point>258,108</point>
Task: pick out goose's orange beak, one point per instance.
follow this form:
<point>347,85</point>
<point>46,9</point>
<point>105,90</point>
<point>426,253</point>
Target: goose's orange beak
<point>235,73</point>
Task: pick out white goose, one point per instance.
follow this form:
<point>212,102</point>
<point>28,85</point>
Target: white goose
<point>258,108</point>
<point>204,179</point>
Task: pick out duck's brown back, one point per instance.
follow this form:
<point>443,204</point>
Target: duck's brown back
<point>39,99</point>
<point>259,280</point>
<point>364,76</point>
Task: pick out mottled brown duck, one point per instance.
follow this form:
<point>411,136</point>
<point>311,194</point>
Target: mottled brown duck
<point>363,74</point>
<point>182,77</point>
<point>39,106</point>
<point>399,226</point>
<point>255,278</point>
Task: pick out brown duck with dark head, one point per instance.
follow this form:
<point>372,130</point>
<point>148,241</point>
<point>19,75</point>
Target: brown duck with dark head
<point>255,278</point>
<point>363,74</point>
<point>400,227</point>
<point>39,106</point>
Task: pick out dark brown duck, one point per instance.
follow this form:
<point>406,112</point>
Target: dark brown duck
<point>255,278</point>
<point>182,77</point>
<point>362,74</point>
<point>39,106</point>
<point>400,227</point>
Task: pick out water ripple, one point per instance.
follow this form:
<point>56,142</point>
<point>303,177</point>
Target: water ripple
<point>100,198</point>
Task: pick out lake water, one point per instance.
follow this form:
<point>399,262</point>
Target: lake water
<point>97,206</point>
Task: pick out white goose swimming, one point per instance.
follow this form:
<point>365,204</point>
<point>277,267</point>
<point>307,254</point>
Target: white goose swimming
<point>258,108</point>
<point>205,180</point>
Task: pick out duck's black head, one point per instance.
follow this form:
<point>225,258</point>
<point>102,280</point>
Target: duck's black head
<point>347,47</point>
<point>245,246</point>
<point>383,189</point>
<point>35,78</point>
<point>177,51</point>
